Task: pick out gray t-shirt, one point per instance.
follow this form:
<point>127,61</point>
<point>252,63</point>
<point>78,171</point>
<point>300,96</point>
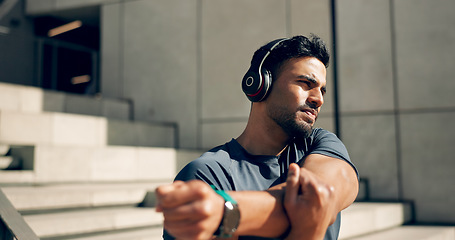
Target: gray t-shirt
<point>230,167</point>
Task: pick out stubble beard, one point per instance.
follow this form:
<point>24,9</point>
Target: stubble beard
<point>288,122</point>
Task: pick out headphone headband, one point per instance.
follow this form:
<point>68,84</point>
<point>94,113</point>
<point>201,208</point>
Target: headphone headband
<point>258,80</point>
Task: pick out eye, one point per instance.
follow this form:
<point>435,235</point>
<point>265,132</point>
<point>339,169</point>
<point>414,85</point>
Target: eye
<point>306,82</point>
<point>323,91</point>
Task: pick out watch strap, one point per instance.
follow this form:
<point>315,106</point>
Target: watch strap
<point>224,195</point>
<point>225,230</point>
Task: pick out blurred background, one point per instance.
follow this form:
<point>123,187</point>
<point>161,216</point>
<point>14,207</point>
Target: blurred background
<point>178,64</point>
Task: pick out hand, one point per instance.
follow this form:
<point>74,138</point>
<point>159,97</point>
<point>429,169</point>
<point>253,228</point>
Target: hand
<point>192,210</point>
<point>309,204</point>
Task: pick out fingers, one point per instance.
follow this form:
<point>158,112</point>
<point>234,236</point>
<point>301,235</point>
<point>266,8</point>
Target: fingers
<point>179,193</point>
<point>162,191</point>
<point>308,183</point>
<point>292,184</point>
<point>303,185</point>
<point>194,210</point>
<point>317,194</point>
<point>191,210</point>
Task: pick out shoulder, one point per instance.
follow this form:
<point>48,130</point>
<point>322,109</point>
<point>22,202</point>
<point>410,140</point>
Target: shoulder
<point>319,138</point>
<point>217,156</point>
<point>208,166</point>
<point>325,143</point>
<point>322,134</point>
<point>323,138</point>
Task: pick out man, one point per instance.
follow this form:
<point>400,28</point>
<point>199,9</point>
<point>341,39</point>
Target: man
<point>280,178</point>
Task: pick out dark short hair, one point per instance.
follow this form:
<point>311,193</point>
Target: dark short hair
<point>295,47</point>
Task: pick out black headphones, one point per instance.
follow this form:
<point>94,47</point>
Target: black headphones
<point>258,80</point>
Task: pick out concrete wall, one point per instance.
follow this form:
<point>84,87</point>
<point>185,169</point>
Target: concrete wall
<point>16,47</point>
<point>397,102</point>
<point>425,42</point>
<point>149,55</point>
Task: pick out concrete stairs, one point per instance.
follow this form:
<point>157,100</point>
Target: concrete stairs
<point>31,116</point>
<point>66,211</point>
<point>366,219</point>
<point>110,211</point>
<point>78,177</point>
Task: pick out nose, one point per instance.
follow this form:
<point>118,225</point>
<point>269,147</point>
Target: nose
<point>315,98</point>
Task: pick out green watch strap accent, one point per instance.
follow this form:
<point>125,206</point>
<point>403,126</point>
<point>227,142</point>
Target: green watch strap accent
<point>224,194</point>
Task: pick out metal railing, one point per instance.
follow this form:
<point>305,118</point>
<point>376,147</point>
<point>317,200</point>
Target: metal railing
<point>12,224</point>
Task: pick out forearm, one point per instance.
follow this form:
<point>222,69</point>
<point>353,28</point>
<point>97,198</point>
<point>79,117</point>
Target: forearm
<point>261,213</point>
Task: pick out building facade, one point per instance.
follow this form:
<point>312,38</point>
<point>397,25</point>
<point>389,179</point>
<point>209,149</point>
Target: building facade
<point>182,61</point>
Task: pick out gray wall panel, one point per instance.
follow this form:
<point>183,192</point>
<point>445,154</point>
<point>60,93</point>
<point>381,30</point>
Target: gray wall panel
<point>326,122</point>
<point>365,55</point>
<point>160,67</point>
<point>371,143</point>
<point>231,32</point>
<point>111,83</point>
<point>214,134</point>
<point>425,35</point>
<point>17,47</point>
<point>428,167</point>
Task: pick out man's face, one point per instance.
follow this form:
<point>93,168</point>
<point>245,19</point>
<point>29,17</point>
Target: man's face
<point>297,95</point>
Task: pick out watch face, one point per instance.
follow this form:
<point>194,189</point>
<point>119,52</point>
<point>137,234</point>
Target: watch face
<point>231,218</point>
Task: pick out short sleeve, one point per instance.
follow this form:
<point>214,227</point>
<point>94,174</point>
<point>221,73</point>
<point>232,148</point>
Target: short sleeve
<point>327,143</point>
<point>211,168</point>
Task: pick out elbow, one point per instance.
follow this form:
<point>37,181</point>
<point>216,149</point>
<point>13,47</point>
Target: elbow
<point>348,188</point>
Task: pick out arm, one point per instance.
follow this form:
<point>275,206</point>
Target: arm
<point>263,213</point>
<point>194,208</point>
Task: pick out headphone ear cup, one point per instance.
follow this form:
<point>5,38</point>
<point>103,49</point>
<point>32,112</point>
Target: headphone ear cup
<point>252,84</point>
<point>256,86</point>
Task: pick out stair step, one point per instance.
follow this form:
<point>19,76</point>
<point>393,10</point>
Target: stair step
<point>113,163</point>
<point>27,198</point>
<point>412,232</point>
<point>17,176</point>
<point>22,98</point>
<point>52,129</point>
<point>365,217</point>
<point>57,164</point>
<point>142,234</point>
<point>64,129</point>
<point>93,220</point>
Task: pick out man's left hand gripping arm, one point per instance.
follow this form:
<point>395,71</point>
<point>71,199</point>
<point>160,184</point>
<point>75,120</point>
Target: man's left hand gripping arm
<point>316,193</point>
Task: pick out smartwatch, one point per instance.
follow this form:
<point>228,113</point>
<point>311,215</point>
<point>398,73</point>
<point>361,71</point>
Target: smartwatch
<point>231,216</point>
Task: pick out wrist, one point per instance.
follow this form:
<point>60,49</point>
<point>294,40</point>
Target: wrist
<point>231,216</point>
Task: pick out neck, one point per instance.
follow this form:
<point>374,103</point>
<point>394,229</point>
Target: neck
<point>262,136</point>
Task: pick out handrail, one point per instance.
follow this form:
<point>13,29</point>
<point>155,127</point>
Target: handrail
<point>12,224</point>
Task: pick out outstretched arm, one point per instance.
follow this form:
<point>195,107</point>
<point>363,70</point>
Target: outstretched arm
<point>192,210</point>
